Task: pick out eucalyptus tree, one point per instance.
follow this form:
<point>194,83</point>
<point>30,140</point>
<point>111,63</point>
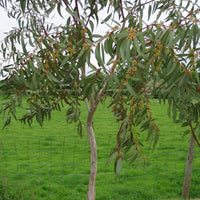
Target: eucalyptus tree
<point>146,40</point>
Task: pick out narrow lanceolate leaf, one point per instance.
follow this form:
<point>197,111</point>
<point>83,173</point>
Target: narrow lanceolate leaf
<point>108,46</point>
<point>64,61</point>
<point>91,25</point>
<point>128,53</point>
<point>98,55</point>
<point>149,12</point>
<point>123,50</point>
<point>183,80</point>
<point>23,5</point>
<point>52,78</point>
<point>113,156</point>
<point>171,38</point>
<point>137,46</point>
<point>118,166</point>
<point>131,91</point>
<point>107,18</point>
<point>155,140</point>
<point>23,44</point>
<point>140,36</point>
<point>7,121</point>
<point>186,133</point>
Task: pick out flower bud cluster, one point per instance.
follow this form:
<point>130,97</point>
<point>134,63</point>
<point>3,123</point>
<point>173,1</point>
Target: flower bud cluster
<point>87,46</point>
<point>158,49</point>
<point>70,50</point>
<point>83,32</point>
<point>55,54</point>
<point>131,70</point>
<point>131,33</point>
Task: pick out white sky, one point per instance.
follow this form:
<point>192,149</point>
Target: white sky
<point>6,23</point>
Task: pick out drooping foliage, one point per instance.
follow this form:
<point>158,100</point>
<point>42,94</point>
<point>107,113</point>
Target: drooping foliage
<point>47,64</point>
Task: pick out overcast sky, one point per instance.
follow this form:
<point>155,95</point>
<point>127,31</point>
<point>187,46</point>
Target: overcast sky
<point>5,23</point>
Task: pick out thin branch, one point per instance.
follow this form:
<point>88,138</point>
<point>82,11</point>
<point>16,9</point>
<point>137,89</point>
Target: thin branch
<point>142,4</point>
<point>139,5</point>
<point>90,13</point>
<point>193,133</point>
<point>102,91</point>
<point>66,4</point>
<point>45,31</point>
<point>77,9</point>
<point>121,7</point>
<point>87,104</point>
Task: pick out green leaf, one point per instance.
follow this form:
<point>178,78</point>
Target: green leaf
<point>186,133</point>
<point>136,44</point>
<point>91,25</point>
<point>118,165</point>
<point>128,52</point>
<point>140,36</point>
<point>107,18</point>
<point>184,80</point>
<point>125,48</point>
<point>23,5</point>
<point>131,91</point>
<point>122,35</point>
<point>171,38</point>
<point>64,61</point>
<point>133,155</point>
<point>52,6</point>
<point>7,121</point>
<point>185,124</point>
<point>59,6</point>
<point>113,156</point>
<point>150,133</point>
<point>52,78</point>
<point>149,12</point>
<point>174,113</point>
<point>102,53</point>
<point>98,55</point>
<point>108,46</point>
<point>23,44</point>
<point>198,132</point>
<point>170,67</point>
<point>80,128</point>
<point>155,140</point>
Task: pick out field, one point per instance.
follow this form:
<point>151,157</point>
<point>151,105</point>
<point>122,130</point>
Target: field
<point>52,162</point>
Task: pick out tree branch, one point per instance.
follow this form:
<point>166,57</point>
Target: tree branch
<point>77,9</point>
<point>90,13</point>
<point>66,4</point>
<point>139,5</point>
<point>121,7</point>
<point>193,133</point>
<point>102,91</point>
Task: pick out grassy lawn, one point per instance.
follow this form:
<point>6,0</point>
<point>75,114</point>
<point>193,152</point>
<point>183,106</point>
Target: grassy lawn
<point>52,162</point>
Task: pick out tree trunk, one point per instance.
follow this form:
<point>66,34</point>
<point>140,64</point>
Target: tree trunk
<point>93,157</point>
<point>91,194</point>
<point>188,169</point>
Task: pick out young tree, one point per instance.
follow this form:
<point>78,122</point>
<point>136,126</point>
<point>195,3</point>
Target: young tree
<point>161,45</point>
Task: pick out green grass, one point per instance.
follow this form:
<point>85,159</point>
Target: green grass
<point>52,162</point>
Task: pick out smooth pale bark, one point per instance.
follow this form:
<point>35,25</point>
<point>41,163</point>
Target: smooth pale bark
<point>91,195</point>
<point>93,168</point>
<point>188,169</point>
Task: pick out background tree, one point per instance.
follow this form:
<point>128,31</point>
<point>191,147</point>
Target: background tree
<point>160,46</point>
